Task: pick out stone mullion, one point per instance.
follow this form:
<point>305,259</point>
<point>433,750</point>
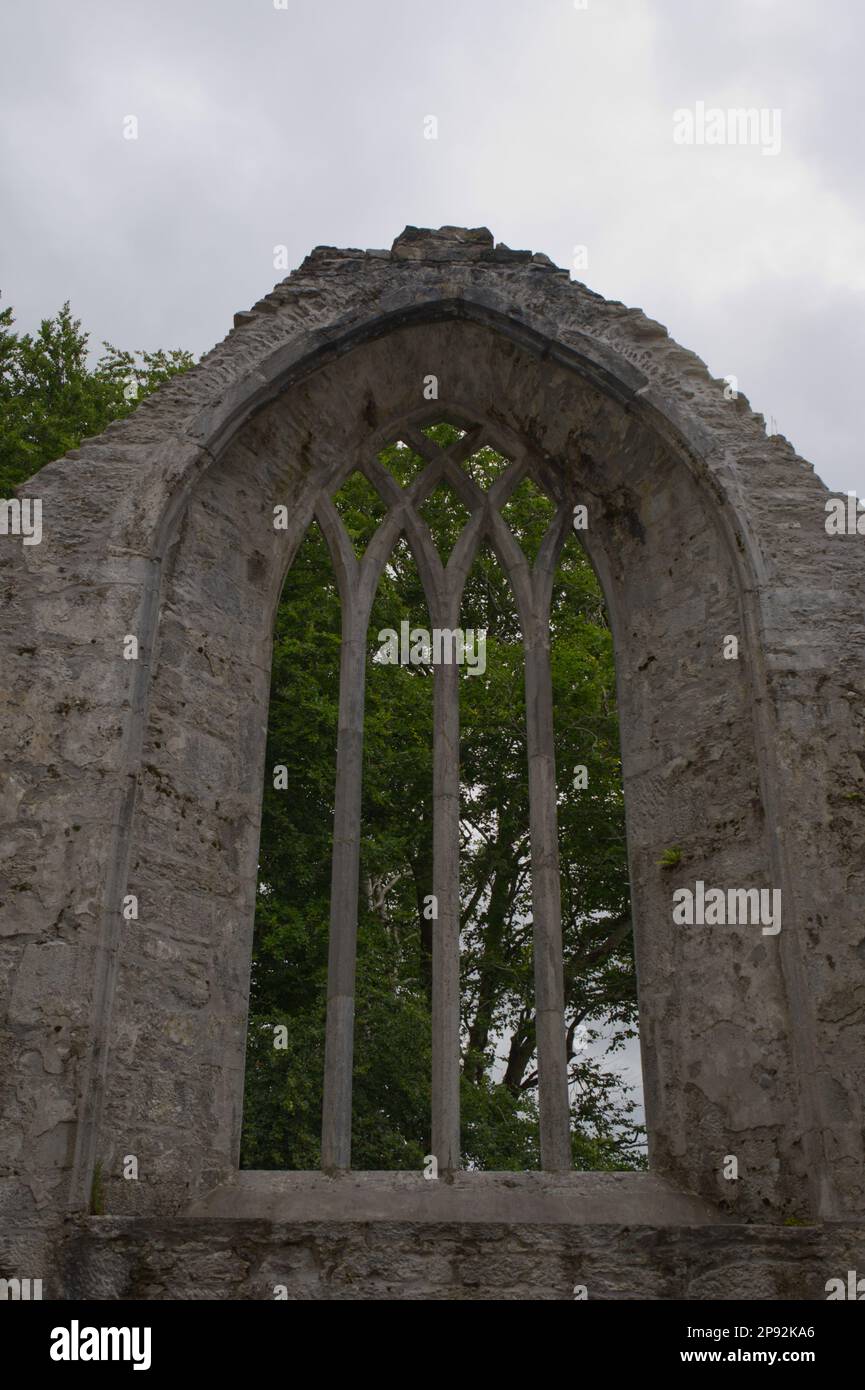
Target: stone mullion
<point>345,865</point>
<point>442,594</point>
<point>546,907</point>
<point>546,884</point>
<point>446,1144</point>
<point>533,591</point>
<point>345,860</point>
<point>446,931</point>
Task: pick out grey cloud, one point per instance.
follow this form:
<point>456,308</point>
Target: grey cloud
<point>261,127</point>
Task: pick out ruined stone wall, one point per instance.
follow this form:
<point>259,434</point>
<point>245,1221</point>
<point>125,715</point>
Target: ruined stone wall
<point>119,1258</point>
<point>145,776</point>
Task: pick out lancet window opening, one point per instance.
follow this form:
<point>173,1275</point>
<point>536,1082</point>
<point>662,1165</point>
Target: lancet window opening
<point>443,584</point>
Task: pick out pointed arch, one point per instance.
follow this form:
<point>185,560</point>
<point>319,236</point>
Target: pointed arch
<point>700,527</point>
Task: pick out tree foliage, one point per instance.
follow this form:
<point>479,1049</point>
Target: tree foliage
<point>51,399</point>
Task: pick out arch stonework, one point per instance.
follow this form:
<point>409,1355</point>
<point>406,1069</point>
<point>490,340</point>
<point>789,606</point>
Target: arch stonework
<point>144,777</point>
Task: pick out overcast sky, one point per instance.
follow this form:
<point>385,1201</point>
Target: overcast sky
<point>260,127</point>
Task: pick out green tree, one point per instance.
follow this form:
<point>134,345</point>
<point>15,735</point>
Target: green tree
<point>50,399</point>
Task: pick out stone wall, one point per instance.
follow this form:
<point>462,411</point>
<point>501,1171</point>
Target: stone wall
<point>144,777</point>
<point>121,1258</point>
